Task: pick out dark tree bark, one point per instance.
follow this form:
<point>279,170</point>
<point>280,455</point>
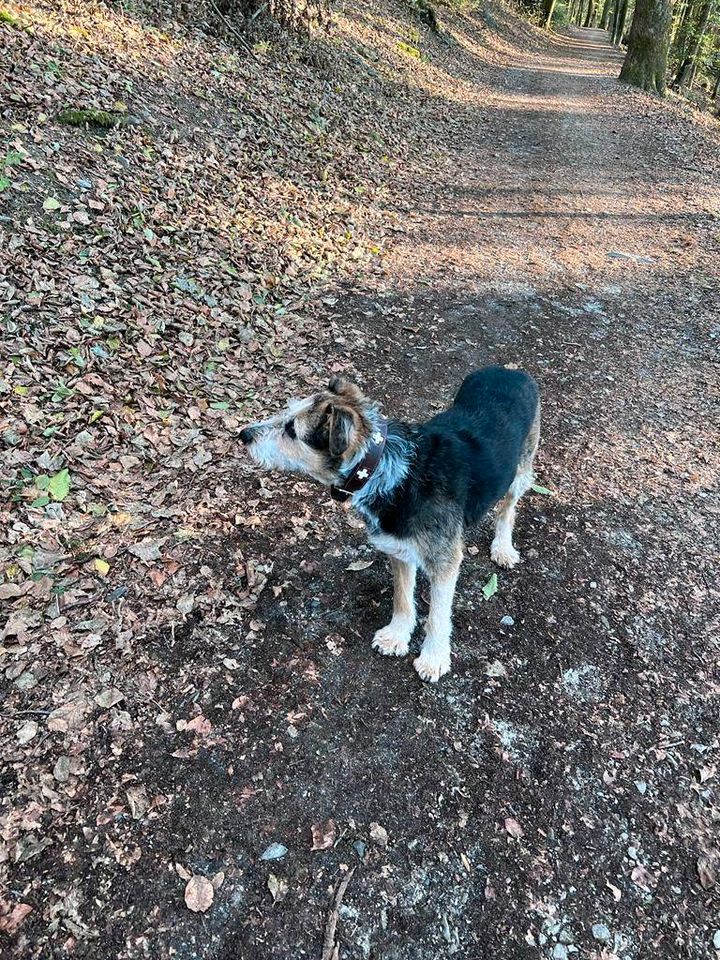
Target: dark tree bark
<point>619,24</point>
<point>605,18</point>
<point>618,17</point>
<point>590,12</point>
<point>645,64</point>
<point>686,73</point>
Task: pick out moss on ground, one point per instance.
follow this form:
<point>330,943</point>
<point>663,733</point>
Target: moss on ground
<point>91,118</point>
<point>9,19</point>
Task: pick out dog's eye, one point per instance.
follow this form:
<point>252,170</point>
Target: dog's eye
<point>290,429</point>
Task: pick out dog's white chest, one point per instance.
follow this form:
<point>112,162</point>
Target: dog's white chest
<point>400,549</point>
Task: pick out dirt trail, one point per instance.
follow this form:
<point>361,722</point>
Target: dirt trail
<point>555,796</point>
<point>572,232</point>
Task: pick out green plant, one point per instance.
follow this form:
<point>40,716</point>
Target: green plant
<point>91,118</point>
<point>11,159</point>
<point>561,15</point>
<point>9,19</point>
<point>409,50</point>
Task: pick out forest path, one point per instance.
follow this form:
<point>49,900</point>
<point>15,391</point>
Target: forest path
<point>571,231</point>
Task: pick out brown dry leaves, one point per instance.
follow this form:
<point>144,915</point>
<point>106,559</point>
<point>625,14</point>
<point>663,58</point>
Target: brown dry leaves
<point>199,894</point>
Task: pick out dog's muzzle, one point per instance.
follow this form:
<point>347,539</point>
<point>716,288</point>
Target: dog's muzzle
<point>248,435</point>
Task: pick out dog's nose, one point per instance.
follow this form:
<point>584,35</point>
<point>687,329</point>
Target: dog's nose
<point>247,436</point>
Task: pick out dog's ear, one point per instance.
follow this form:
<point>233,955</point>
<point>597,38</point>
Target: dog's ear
<point>341,429</point>
<point>346,390</point>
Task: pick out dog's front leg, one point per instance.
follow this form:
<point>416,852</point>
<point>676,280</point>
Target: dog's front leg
<point>394,639</point>
<point>434,659</point>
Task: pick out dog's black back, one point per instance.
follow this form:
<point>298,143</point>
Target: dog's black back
<point>465,458</point>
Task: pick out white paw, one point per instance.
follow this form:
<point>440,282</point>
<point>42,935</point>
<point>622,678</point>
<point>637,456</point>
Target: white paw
<point>504,554</point>
<point>392,640</point>
<point>431,666</point>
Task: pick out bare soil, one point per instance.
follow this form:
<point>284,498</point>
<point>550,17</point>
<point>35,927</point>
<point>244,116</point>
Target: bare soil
<point>556,795</point>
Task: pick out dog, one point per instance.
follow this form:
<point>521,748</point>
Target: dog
<point>417,487</point>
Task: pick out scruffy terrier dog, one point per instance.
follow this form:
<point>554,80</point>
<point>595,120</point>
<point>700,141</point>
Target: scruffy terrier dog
<point>417,487</point>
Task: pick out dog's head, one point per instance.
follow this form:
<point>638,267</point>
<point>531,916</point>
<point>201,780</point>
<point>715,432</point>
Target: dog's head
<point>319,436</point>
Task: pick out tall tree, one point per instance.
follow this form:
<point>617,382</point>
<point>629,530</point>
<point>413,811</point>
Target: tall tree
<point>680,17</point>
<point>590,13</point>
<point>548,10</point>
<point>688,66</point>
<point>618,30</point>
<point>606,11</point>
<point>645,63</point>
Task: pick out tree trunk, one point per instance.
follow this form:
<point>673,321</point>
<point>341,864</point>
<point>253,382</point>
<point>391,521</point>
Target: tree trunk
<point>622,22</point>
<point>716,88</point>
<point>619,21</point>
<point>688,67</point>
<point>590,12</point>
<point>605,18</point>
<point>548,9</point>
<point>645,64</point>
<point>679,21</point>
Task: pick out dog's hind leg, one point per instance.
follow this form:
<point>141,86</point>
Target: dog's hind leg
<point>502,550</point>
<point>434,659</point>
<point>394,639</point>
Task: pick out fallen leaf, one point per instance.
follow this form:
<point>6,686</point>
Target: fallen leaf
<point>185,603</point>
<point>496,669</point>
<point>706,873</point>
<point>108,698</point>
<point>359,565</point>
<point>199,894</point>
<point>137,798</point>
<point>536,489</point>
<point>323,835</point>
<point>379,834</point>
<point>59,486</point>
<point>707,773</point>
<point>490,588</point>
<point>147,551</point>
<point>27,731</point>
<point>126,856</point>
<point>70,716</point>
<point>200,725</point>
<point>51,203</point>
<point>642,877</point>
<point>8,591</point>
<point>513,827</point>
<point>102,566</point>
<point>11,922</point>
<point>277,887</point>
<point>616,891</point>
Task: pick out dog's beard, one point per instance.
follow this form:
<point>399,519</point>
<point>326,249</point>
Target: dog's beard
<point>270,453</point>
<point>274,452</point>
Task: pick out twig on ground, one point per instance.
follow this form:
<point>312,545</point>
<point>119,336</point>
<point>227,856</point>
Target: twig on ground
<point>331,949</point>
